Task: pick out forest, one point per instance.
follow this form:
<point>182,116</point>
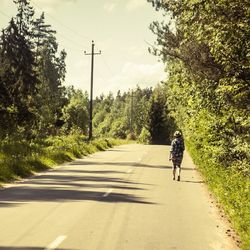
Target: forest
<point>206,94</point>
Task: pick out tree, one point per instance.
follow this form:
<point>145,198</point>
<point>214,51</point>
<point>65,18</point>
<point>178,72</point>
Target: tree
<point>161,125</point>
<point>31,75</point>
<point>18,78</point>
<point>75,113</point>
<point>206,49</point>
<point>205,46</point>
<point>51,71</point>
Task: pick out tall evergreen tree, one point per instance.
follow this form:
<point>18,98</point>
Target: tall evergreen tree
<point>161,126</point>
<point>18,77</point>
<point>51,71</point>
<point>24,17</point>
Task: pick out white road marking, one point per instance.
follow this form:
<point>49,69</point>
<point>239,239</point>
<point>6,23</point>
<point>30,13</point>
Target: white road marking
<point>129,171</point>
<point>108,193</point>
<point>56,242</point>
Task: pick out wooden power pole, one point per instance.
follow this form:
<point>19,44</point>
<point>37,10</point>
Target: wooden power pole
<point>92,54</point>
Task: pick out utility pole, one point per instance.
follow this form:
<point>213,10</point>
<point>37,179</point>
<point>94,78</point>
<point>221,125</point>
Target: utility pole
<point>92,54</point>
<point>131,112</point>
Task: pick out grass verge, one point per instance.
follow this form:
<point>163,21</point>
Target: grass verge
<point>231,187</point>
<point>19,159</point>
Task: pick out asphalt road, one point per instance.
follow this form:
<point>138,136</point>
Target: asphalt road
<point>121,199</point>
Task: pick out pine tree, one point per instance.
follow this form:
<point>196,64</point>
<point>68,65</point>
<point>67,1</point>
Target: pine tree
<point>51,71</point>
<point>18,78</point>
<point>161,126</point>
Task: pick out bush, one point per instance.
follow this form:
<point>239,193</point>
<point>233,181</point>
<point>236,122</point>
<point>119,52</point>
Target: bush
<point>145,136</point>
<point>231,188</point>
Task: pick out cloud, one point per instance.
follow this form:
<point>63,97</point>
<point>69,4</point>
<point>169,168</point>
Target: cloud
<point>136,4</point>
<point>54,2</point>
<point>110,6</point>
<point>144,75</point>
<point>130,5</point>
<point>50,5</point>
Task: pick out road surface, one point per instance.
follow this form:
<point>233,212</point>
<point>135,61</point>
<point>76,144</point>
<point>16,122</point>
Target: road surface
<point>121,199</point>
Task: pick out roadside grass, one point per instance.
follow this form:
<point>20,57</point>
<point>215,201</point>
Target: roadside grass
<point>19,158</point>
<point>231,188</point>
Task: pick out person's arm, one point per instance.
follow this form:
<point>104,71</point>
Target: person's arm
<point>170,156</point>
<point>171,150</point>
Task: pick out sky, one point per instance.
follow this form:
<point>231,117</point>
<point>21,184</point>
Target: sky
<point>119,28</point>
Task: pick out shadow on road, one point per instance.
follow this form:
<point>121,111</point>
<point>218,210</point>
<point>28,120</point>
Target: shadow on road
<point>74,185</point>
<point>126,164</point>
<point>132,164</point>
<point>198,182</point>
<point>27,248</point>
<point>14,196</point>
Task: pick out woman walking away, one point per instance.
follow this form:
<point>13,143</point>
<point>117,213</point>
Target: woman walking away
<point>176,153</point>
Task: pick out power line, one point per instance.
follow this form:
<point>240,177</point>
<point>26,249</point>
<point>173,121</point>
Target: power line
<point>101,76</point>
<point>78,44</point>
<point>3,20</point>
<point>107,66</point>
<point>9,17</point>
<point>73,49</point>
<point>61,23</point>
<point>71,40</point>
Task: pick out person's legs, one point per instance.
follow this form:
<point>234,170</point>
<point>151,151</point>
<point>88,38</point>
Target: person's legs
<point>174,171</point>
<point>178,164</point>
<point>178,173</point>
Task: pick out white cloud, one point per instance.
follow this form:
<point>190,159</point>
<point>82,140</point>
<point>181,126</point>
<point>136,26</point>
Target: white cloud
<point>135,4</point>
<point>54,2</point>
<point>130,5</point>
<point>110,6</point>
<point>137,51</point>
<point>144,75</point>
<point>50,5</point>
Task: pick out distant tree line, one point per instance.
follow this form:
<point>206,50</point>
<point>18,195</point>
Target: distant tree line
<point>140,114</point>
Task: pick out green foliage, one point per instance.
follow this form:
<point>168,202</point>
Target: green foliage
<point>127,114</point>
<point>118,128</point>
<point>230,186</point>
<point>75,113</point>
<point>145,136</point>
<point>51,70</point>
<point>161,126</point>
<point>31,74</point>
<point>17,79</point>
<point>206,48</point>
<point>21,158</point>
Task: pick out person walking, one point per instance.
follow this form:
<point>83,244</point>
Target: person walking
<point>176,154</point>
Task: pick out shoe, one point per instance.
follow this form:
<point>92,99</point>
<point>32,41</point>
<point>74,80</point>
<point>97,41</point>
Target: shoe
<point>178,178</point>
<point>173,178</point>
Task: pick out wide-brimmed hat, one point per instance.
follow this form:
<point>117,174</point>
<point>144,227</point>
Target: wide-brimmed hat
<point>177,134</point>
